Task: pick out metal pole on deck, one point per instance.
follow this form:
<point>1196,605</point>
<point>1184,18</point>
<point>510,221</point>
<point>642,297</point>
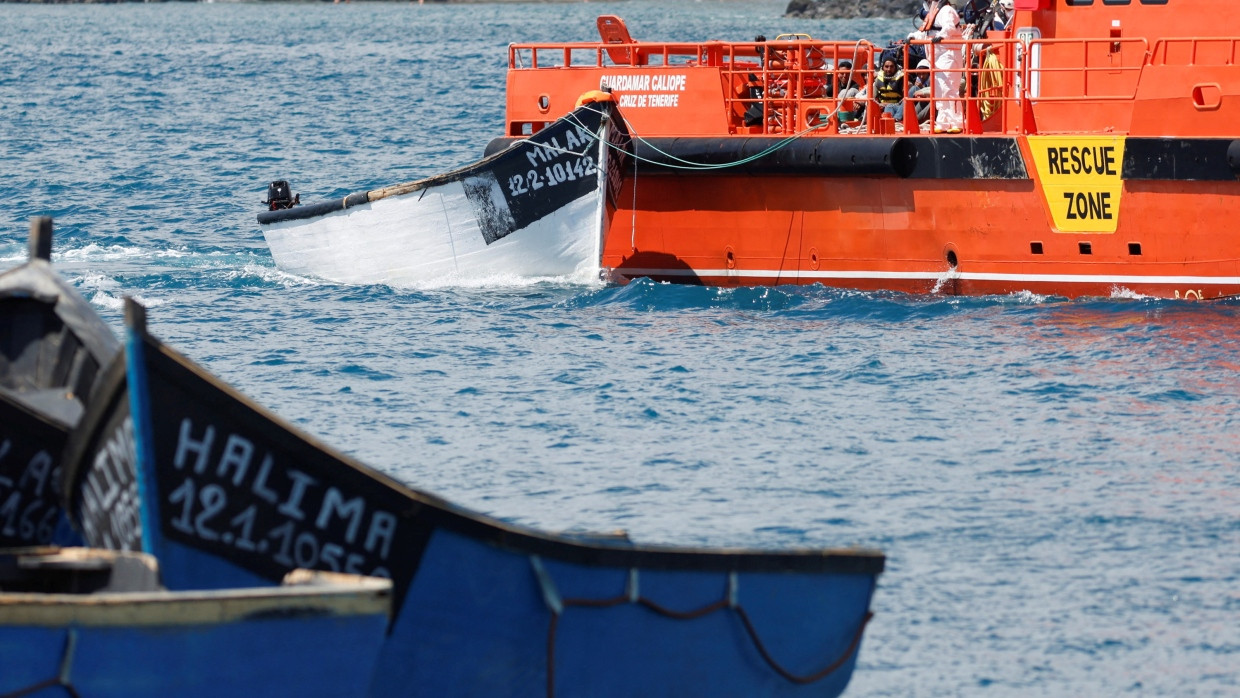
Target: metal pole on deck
<point>40,244</point>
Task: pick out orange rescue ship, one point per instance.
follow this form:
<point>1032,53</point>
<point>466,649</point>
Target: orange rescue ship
<point>1098,157</point>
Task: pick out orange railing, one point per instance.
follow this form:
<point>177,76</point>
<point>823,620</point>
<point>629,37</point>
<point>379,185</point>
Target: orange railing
<point>1084,70</point>
<point>1196,52</point>
<point>593,55</point>
<point>786,87</point>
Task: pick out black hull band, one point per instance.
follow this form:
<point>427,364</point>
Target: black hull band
<point>1181,159</point>
<point>833,156</point>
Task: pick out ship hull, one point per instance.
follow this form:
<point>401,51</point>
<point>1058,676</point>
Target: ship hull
<point>937,231</point>
<point>1092,150</point>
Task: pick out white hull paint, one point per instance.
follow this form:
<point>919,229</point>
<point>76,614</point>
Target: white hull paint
<point>536,209</point>
<point>874,275</point>
<point>411,239</point>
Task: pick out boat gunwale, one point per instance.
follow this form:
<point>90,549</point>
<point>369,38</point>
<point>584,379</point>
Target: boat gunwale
<point>11,399</point>
<point>363,596</point>
<point>324,208</point>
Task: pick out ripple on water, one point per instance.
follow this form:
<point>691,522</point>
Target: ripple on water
<point>1054,482</point>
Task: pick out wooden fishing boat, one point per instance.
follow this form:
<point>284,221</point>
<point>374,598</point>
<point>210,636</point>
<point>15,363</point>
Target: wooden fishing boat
<point>82,622</point>
<point>233,496</point>
<point>534,209</point>
<point>52,346</point>
<point>1097,154</point>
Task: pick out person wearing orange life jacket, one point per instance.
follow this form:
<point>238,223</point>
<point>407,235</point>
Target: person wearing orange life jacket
<point>943,23</point>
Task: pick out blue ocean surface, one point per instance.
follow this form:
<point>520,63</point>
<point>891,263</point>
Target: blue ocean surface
<point>1056,483</point>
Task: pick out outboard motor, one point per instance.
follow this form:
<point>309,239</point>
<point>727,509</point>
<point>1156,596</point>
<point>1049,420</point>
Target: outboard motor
<point>280,195</point>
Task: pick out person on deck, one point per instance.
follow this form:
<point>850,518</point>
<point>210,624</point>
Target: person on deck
<point>889,89</point>
<point>844,82</point>
<point>1003,14</point>
<point>919,90</point>
<point>846,88</point>
<point>943,23</point>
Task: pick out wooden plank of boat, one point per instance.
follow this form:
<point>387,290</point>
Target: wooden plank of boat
<point>105,495</point>
<point>97,623</point>
<point>232,495</point>
<point>52,346</point>
<point>534,209</point>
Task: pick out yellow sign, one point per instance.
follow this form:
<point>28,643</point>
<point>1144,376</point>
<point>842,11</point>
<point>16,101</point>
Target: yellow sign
<point>1081,180</point>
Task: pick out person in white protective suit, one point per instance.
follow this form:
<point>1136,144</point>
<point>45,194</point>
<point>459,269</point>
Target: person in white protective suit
<point>943,23</point>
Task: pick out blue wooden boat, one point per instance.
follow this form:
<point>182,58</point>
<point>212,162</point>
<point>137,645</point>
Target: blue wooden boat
<point>233,496</point>
<point>82,622</point>
<point>52,346</point>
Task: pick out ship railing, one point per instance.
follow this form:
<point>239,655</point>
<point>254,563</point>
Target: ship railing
<point>595,55</point>
<point>794,99</point>
<point>1083,70</point>
<point>1196,51</point>
<point>1080,85</point>
<point>796,86</point>
<point>784,87</point>
<point>787,81</point>
<point>986,80</point>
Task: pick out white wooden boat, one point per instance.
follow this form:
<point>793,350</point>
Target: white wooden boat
<point>534,209</point>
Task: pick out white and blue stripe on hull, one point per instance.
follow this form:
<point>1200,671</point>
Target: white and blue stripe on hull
<point>1198,285</point>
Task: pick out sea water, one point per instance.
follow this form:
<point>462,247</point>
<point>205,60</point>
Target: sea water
<point>1055,482</point>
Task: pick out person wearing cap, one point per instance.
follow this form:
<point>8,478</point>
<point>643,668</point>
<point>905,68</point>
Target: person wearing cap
<point>919,90</point>
<point>943,23</point>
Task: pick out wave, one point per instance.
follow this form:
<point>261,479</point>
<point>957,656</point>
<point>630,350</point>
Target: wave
<point>813,299</point>
<point>1029,298</point>
<point>93,280</point>
<point>501,280</point>
<point>1121,293</point>
<point>108,301</point>
<point>94,252</point>
<point>270,275</point>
